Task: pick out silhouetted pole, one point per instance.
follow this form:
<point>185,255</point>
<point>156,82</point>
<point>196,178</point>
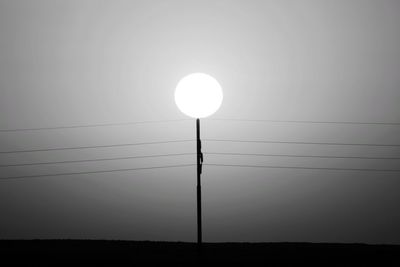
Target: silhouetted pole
<point>199,167</point>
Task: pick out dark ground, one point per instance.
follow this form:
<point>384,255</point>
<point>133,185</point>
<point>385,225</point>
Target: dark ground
<point>144,253</point>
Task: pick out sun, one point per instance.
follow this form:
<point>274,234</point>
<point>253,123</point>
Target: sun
<point>198,95</point>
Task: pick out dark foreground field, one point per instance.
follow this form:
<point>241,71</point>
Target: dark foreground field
<point>91,252</point>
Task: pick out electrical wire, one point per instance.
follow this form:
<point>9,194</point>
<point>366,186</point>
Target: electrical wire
<point>207,140</point>
<point>90,125</point>
<point>206,153</point>
<point>301,143</point>
<point>303,168</point>
<point>93,172</point>
<point>97,146</point>
<point>309,122</point>
<point>301,156</point>
<point>179,120</point>
<point>94,160</point>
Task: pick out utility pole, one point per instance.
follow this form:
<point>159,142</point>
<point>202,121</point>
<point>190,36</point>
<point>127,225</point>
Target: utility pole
<point>199,168</point>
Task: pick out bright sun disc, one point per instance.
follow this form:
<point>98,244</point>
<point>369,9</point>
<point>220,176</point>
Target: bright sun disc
<point>198,95</point>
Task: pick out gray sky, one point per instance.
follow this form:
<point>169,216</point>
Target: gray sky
<point>88,62</point>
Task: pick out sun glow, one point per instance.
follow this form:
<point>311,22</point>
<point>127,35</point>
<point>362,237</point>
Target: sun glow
<point>198,95</point>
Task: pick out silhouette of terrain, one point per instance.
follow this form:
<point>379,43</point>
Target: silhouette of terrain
<point>95,252</point>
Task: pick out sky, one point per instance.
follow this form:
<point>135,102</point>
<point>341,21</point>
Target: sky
<point>77,63</point>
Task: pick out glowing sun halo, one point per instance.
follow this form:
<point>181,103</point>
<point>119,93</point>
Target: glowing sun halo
<point>198,95</point>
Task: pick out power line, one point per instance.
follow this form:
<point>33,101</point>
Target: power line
<point>302,156</point>
<point>93,160</point>
<point>94,172</point>
<point>302,143</point>
<point>90,147</point>
<point>90,125</point>
<point>303,168</point>
<point>179,120</point>
<point>187,165</point>
<point>206,153</point>
<point>310,122</point>
<point>190,140</point>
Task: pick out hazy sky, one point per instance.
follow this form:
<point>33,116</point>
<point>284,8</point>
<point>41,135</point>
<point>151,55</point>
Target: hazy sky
<point>66,63</point>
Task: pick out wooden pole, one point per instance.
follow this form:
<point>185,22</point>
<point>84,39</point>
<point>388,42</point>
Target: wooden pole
<point>199,167</point>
